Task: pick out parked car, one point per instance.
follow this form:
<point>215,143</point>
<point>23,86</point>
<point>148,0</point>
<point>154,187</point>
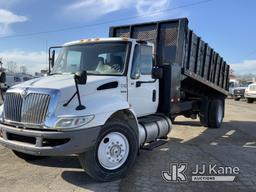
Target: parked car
<point>240,90</point>
<point>232,85</point>
<point>10,81</point>
<point>250,93</point>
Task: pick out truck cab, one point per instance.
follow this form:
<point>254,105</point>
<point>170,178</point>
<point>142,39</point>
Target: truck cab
<point>41,117</point>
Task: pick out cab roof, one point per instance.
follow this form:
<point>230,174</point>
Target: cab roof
<point>83,41</point>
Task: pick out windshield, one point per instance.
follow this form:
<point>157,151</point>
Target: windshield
<point>108,58</point>
<point>245,84</point>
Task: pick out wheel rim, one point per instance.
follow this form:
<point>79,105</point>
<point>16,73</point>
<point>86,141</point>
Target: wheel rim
<point>113,150</point>
<point>220,113</point>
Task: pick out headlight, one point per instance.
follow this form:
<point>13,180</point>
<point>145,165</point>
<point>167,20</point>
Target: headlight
<point>73,122</point>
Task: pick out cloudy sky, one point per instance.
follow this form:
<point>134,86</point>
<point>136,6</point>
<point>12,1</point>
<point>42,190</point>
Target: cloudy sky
<point>227,25</point>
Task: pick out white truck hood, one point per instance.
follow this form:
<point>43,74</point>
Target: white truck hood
<point>60,81</point>
<point>66,84</point>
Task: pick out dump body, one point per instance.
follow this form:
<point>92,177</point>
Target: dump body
<point>190,65</point>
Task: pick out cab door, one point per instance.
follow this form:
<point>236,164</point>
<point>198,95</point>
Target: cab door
<point>143,90</point>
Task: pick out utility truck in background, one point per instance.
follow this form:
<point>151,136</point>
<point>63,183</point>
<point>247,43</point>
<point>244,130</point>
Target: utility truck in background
<point>104,99</point>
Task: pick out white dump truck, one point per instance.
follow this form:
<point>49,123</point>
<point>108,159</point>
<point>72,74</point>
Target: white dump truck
<point>104,99</point>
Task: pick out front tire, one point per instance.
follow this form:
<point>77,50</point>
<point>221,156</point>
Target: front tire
<point>250,100</point>
<point>113,154</point>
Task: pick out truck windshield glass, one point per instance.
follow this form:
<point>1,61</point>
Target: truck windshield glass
<point>108,58</point>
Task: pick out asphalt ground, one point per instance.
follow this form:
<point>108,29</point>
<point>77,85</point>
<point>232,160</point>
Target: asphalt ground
<point>234,145</point>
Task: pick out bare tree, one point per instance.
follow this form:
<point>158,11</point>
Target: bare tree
<point>23,69</point>
<point>11,66</point>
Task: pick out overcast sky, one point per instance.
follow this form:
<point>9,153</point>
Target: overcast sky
<point>227,25</point>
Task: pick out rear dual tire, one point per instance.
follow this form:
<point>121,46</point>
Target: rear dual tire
<point>213,116</point>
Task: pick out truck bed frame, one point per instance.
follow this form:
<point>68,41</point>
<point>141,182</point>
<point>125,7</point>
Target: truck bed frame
<point>192,69</point>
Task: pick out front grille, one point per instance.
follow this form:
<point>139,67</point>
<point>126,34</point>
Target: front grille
<point>239,91</point>
<point>29,110</point>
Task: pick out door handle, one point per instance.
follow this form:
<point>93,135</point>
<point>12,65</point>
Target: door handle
<point>138,83</point>
<point>154,95</point>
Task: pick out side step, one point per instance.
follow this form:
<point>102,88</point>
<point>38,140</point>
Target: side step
<point>153,145</point>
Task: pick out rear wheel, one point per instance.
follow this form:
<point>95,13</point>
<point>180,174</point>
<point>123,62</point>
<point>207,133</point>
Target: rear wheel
<point>216,112</point>
<point>114,153</point>
<point>212,113</point>
<point>250,100</point>
<point>27,157</point>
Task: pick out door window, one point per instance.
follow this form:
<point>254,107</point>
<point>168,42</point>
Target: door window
<point>142,61</point>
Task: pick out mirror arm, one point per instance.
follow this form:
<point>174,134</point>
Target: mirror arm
<point>66,104</point>
<point>80,106</point>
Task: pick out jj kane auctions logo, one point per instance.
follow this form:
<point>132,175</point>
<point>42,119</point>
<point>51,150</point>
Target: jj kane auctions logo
<point>178,173</point>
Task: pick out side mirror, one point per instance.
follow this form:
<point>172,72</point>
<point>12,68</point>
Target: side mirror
<point>157,73</point>
<point>52,58</point>
<point>81,77</point>
<point>2,77</point>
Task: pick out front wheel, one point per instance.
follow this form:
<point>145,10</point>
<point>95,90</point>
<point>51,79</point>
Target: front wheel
<point>250,100</point>
<point>114,153</point>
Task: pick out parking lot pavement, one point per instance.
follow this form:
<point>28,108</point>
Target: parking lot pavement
<point>234,144</point>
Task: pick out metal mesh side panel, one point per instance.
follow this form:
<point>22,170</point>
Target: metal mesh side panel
<point>122,32</point>
<point>216,76</point>
<point>168,35</point>
<point>193,50</point>
<point>147,33</point>
<point>207,62</point>
<point>200,58</point>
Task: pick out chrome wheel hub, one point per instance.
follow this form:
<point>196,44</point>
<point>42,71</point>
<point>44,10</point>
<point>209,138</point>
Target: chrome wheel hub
<point>113,150</point>
<point>220,113</point>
